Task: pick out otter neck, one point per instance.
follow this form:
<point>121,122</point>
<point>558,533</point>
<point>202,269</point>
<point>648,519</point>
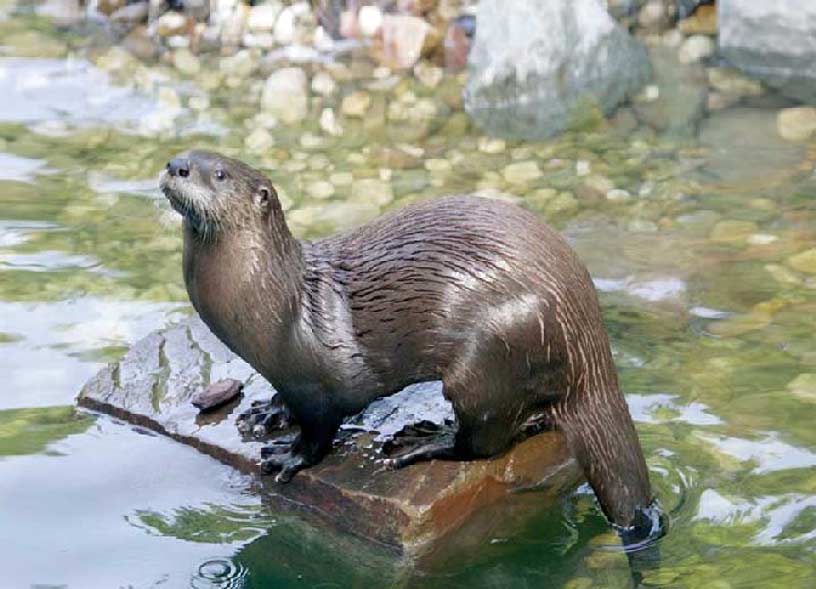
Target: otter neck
<point>246,284</point>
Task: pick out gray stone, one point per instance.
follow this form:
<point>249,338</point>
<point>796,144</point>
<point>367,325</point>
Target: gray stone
<point>415,509</point>
<point>681,101</point>
<point>772,41</point>
<point>536,66</point>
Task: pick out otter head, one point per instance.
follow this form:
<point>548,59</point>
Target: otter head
<point>215,193</point>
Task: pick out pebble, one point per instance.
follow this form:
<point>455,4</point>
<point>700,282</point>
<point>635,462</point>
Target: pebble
<point>341,178</point>
<point>731,81</point>
<point>582,168</point>
<point>796,124</point>
<point>329,124</point>
<point>762,239</point>
<point>438,166</point>
<point>696,48</point>
<point>356,104</point>
<point>370,20</point>
<point>522,172</point>
<point>186,62</point>
<point>804,386</point>
<point>804,261</point>
<point>732,231</point>
<point>262,19</point>
<point>323,84</point>
<point>171,23</point>
<point>320,189</point>
<point>491,146</point>
<point>372,190</point>
<point>285,95</point>
<point>618,195</point>
<point>403,40</point>
<point>428,74</point>
<point>653,15</point>
<point>259,141</point>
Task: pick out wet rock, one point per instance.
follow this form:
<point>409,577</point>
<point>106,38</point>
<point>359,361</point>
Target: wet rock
<point>217,394</point>
<point>356,104</point>
<point>186,62</point>
<point>730,82</point>
<point>412,509</point>
<point>323,84</point>
<point>772,41</point>
<point>285,95</point>
<point>702,22</point>
<point>796,124</point>
<point>403,40</point>
<point>522,172</point>
<point>131,14</point>
<point>804,261</point>
<point>533,68</point>
<point>370,20</point>
<point>171,23</point>
<point>696,48</point>
<point>732,231</point>
<point>295,24</point>
<point>458,41</point>
<point>262,19</point>
<point>680,100</point>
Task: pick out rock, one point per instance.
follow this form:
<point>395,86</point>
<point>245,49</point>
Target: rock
<point>686,7</point>
<point>356,104</point>
<point>262,19</point>
<point>108,7</point>
<point>696,48</point>
<point>522,172</point>
<point>372,190</point>
<point>216,394</point>
<point>329,124</point>
<point>681,98</point>
<point>457,42</point>
<point>732,231</point>
<point>796,124</point>
<point>139,44</point>
<point>413,510</point>
<point>730,81</point>
<point>63,13</point>
<point>295,24</point>
<point>171,23</point>
<point>804,261</point>
<point>536,67</point>
<point>772,41</point>
<point>259,140</point>
<point>186,62</point>
<point>654,15</point>
<point>320,189</point>
<point>131,14</point>
<point>702,22</point>
<point>323,84</point>
<point>428,74</point>
<point>403,39</point>
<point>804,386</point>
<point>370,20</point>
<point>285,95</point>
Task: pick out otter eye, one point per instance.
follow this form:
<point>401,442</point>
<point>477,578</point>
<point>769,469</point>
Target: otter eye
<point>220,175</point>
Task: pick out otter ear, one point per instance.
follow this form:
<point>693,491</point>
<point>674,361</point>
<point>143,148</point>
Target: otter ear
<point>263,196</point>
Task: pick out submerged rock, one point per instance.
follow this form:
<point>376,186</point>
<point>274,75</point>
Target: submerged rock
<point>772,41</point>
<point>533,69</point>
<point>410,509</point>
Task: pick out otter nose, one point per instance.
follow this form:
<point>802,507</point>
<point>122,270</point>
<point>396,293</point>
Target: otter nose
<point>179,167</point>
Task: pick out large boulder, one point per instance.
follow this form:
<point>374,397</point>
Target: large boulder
<point>537,65</point>
<point>773,41</point>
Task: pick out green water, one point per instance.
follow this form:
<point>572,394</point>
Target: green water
<point>707,286</point>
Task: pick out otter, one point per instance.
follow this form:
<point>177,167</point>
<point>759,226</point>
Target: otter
<point>477,293</point>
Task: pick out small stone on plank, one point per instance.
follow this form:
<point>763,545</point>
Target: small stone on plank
<point>217,394</point>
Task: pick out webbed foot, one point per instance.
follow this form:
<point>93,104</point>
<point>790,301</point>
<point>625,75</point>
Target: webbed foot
<point>420,441</point>
<point>264,417</point>
<point>281,456</point>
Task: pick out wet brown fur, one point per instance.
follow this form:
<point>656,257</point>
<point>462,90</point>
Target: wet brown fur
<point>477,293</point>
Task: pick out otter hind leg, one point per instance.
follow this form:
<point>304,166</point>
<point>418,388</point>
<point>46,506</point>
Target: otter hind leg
<point>421,441</point>
<point>264,417</point>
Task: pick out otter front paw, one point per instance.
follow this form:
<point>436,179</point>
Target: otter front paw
<point>264,417</point>
<point>281,458</point>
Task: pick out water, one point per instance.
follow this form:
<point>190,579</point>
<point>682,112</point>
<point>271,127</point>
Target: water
<point>709,300</point>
